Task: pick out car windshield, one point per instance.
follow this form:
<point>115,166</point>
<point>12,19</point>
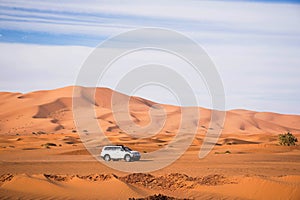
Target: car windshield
<point>127,149</point>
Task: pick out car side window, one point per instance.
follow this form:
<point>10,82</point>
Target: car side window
<point>109,149</point>
<point>115,149</point>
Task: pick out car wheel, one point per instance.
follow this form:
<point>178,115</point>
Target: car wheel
<point>107,158</point>
<point>127,158</point>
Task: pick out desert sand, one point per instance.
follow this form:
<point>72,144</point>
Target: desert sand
<point>42,156</point>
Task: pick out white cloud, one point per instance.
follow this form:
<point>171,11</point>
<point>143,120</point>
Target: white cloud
<point>247,83</point>
<point>27,67</point>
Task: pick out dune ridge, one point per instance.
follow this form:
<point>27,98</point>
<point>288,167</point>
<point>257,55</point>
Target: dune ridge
<point>140,185</point>
<point>51,111</point>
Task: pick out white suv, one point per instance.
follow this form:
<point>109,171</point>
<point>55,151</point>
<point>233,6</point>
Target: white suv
<point>119,152</point>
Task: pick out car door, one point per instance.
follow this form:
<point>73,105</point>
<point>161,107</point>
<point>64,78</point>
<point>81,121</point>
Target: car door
<point>113,152</point>
<point>120,152</point>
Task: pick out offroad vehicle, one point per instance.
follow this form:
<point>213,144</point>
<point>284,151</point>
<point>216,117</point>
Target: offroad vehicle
<point>119,152</point>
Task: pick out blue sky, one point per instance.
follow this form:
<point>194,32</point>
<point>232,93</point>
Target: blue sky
<point>255,45</point>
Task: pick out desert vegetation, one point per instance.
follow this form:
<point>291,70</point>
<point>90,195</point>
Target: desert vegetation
<point>287,139</point>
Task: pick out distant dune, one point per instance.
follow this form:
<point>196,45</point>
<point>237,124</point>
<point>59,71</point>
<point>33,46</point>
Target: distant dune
<point>51,112</point>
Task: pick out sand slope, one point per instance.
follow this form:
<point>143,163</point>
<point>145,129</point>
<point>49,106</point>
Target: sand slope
<point>51,112</point>
<point>40,186</point>
<point>42,156</point>
<point>103,186</point>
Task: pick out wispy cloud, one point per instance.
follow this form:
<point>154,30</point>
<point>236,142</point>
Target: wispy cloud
<point>104,18</point>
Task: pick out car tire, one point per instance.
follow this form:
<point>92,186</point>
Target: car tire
<point>127,158</point>
<point>106,158</point>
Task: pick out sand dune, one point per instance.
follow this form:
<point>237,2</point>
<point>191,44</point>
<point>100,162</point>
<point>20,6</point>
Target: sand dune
<point>51,112</point>
<point>43,186</point>
<point>40,148</point>
<point>109,186</point>
<point>261,188</point>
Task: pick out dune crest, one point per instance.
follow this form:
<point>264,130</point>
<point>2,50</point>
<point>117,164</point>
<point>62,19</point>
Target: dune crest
<point>51,111</point>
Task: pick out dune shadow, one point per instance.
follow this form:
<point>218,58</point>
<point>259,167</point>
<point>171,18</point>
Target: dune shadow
<point>144,160</point>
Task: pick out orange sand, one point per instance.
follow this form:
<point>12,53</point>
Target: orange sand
<point>256,168</point>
